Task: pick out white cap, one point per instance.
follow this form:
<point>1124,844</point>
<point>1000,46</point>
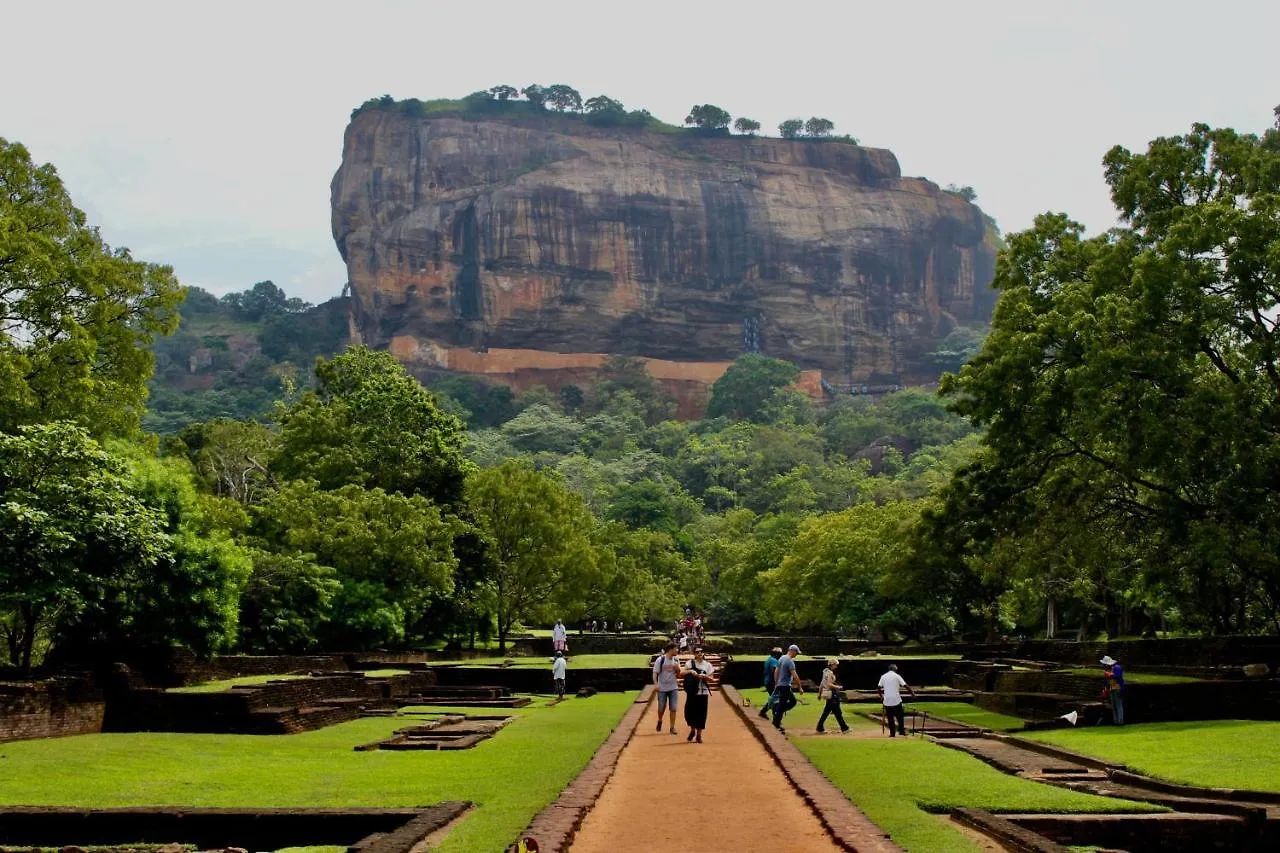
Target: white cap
<point>1107,660</point>
<point>794,648</point>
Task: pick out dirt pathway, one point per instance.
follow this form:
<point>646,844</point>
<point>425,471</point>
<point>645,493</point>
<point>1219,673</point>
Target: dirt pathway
<point>724,794</point>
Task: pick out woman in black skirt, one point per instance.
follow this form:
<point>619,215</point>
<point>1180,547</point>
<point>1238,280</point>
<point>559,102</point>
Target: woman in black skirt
<point>697,694</point>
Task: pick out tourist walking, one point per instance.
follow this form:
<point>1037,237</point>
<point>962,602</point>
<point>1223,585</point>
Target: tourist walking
<point>831,691</point>
<point>890,690</point>
<point>559,667</point>
<point>559,637</point>
<point>697,694</point>
<point>1114,687</point>
<point>770,676</point>
<point>666,677</point>
<point>786,685</point>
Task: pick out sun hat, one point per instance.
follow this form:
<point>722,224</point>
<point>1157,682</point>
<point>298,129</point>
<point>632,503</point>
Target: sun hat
<point>794,648</point>
<point>1107,660</point>
<point>832,662</point>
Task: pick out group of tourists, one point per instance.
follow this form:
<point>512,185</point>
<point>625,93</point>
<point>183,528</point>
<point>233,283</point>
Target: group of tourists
<point>782,684</point>
<point>669,675</point>
<point>688,633</point>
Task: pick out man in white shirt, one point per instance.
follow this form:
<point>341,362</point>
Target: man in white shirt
<point>559,666</point>
<point>559,637</point>
<point>890,690</point>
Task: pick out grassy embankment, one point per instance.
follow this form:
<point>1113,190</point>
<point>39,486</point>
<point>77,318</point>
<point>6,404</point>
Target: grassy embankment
<point>1216,753</point>
<point>511,777</point>
<point>903,784</point>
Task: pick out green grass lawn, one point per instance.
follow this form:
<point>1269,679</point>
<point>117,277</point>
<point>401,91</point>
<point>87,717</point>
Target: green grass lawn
<point>844,658</point>
<point>963,712</point>
<point>575,661</point>
<point>511,777</point>
<point>1135,677</point>
<point>902,783</point>
<point>1217,753</point>
<point>228,683</point>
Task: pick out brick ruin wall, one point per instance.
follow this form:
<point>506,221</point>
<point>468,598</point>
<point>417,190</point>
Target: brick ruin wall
<point>43,709</point>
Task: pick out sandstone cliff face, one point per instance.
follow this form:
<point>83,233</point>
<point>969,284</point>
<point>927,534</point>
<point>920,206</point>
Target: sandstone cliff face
<point>533,248</point>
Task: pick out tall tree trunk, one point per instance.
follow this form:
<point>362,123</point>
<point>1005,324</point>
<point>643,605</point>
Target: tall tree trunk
<point>1050,618</point>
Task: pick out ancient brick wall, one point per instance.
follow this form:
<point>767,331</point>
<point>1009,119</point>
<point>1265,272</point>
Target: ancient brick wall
<point>48,709</point>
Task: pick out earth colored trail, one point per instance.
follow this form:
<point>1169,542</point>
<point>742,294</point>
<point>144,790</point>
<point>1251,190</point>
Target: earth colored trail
<point>723,794</point>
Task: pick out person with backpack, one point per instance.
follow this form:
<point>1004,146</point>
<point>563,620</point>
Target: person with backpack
<point>770,675</point>
<point>666,677</point>
<point>787,685</point>
<point>697,694</point>
<point>832,692</point>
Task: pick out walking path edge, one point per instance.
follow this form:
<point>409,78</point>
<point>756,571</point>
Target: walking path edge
<point>555,826</point>
<point>846,824</point>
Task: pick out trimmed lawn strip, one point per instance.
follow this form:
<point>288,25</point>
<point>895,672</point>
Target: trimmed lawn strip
<point>510,777</point>
<point>1135,677</point>
<point>228,683</point>
<point>1214,753</point>
<point>898,783</point>
<point>845,658</point>
<point>963,712</point>
<point>607,661</point>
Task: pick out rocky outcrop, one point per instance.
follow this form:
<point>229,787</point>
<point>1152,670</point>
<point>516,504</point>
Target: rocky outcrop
<point>529,249</point>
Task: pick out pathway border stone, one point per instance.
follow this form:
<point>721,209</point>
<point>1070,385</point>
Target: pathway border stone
<point>555,826</point>
<point>847,825</point>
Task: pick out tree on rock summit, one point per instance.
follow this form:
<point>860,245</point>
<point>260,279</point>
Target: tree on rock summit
<point>791,128</point>
<point>708,117</point>
<point>747,126</point>
<point>819,127</point>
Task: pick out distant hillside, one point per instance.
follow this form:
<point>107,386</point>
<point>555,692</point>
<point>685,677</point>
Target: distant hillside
<point>232,357</point>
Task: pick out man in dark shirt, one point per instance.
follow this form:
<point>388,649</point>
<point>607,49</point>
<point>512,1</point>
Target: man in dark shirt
<point>787,685</point>
<point>770,676</point>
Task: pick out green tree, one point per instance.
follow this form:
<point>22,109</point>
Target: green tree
<point>76,316</point>
<point>707,117</point>
<point>370,423</point>
<point>190,594</point>
<point>967,193</point>
<point>791,128</point>
<point>562,98</point>
<point>1140,367</point>
<point>836,569</point>
<point>605,111</point>
<point>287,603</point>
<point>746,126</point>
<point>504,92</point>
<point>535,95</point>
<point>819,127</point>
<point>540,533</point>
<point>745,388</point>
<point>393,554</point>
<point>70,531</point>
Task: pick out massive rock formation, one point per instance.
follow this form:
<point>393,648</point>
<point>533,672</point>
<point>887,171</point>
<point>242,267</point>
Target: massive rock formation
<point>528,249</point>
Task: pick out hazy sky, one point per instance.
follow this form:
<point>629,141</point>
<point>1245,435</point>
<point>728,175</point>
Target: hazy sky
<point>205,135</point>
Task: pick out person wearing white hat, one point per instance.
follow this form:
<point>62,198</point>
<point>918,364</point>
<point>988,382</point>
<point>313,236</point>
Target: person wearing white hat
<point>1114,688</point>
<point>785,685</point>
